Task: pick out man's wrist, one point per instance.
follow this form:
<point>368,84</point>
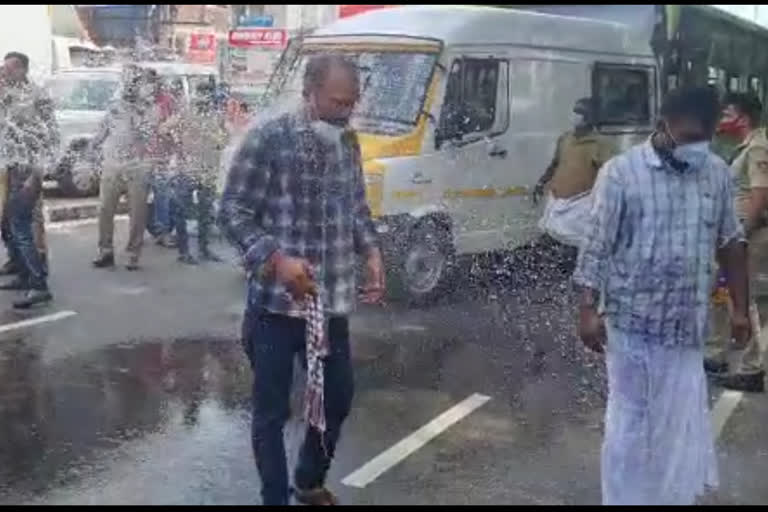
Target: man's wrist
<point>270,265</point>
<point>588,298</point>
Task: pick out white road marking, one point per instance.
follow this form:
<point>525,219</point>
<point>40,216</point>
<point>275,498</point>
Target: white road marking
<point>723,409</point>
<point>410,328</point>
<point>399,451</point>
<point>38,320</point>
<point>729,400</point>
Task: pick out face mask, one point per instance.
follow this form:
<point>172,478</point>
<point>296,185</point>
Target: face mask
<point>577,120</point>
<point>735,127</point>
<point>329,132</point>
<point>694,154</point>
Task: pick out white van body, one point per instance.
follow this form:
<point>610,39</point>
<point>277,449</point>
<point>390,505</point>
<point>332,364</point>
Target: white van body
<point>523,70</point>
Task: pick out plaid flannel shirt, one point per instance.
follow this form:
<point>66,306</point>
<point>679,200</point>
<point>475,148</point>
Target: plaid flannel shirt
<point>290,190</point>
<point>651,247</point>
<point>29,133</point>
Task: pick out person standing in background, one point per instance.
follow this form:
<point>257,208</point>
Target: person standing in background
<point>579,154</point>
<point>741,121</point>
<point>160,151</point>
<point>123,138</point>
<point>201,138</point>
<point>29,139</point>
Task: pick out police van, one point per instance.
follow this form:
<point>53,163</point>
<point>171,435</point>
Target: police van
<point>460,111</point>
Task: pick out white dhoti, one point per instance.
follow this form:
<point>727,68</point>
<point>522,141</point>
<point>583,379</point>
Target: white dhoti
<point>567,220</point>
<point>658,447</point>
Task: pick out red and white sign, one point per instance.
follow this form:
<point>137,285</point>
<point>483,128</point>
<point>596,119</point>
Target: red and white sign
<point>350,10</point>
<point>201,48</point>
<point>258,37</point>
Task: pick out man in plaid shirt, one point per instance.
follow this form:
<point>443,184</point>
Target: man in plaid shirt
<point>294,205</point>
<point>661,213</point>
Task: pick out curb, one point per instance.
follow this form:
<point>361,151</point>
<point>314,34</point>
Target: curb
<point>61,210</point>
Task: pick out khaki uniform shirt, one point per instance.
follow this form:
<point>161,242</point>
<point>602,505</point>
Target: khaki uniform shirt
<point>577,161</point>
<point>750,168</point>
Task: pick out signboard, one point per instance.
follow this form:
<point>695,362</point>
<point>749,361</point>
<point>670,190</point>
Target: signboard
<point>276,38</point>
<point>350,10</point>
<point>201,48</point>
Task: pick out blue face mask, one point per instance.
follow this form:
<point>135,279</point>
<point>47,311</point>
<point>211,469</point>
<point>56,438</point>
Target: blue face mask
<point>694,154</point>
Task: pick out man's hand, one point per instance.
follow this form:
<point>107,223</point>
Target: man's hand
<point>30,190</point>
<point>294,273</point>
<point>741,329</point>
<point>374,287</point>
<point>591,329</point>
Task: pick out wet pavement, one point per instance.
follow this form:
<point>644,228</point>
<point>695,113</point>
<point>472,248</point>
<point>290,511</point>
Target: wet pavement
<point>141,395</point>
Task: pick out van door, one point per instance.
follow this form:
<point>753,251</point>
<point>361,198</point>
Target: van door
<point>472,156</point>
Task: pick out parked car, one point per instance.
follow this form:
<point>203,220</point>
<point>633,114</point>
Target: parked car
<point>81,97</point>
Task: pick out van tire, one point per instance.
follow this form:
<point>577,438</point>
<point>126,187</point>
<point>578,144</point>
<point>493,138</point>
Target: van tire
<point>426,270</point>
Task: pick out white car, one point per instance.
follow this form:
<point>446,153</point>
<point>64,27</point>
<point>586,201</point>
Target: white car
<point>81,97</point>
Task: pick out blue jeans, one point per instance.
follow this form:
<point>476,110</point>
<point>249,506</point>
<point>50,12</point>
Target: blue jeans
<point>183,207</point>
<point>19,215</point>
<point>162,221</point>
<point>271,342</point>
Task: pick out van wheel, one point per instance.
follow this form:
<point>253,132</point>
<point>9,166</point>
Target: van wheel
<point>428,264</point>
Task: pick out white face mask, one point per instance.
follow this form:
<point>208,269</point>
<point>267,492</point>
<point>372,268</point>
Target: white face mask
<point>576,119</point>
<point>329,132</point>
<point>694,154</point>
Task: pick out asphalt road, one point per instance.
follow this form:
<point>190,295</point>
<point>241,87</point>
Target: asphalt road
<point>132,388</point>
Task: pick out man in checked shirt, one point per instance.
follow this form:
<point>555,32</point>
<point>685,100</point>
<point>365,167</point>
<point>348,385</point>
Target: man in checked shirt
<point>662,211</point>
<point>294,205</point>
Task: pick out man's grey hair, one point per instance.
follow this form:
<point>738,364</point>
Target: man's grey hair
<point>318,67</point>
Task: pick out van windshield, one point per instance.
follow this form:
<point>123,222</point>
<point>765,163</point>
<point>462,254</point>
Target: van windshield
<point>393,88</point>
<point>83,92</point>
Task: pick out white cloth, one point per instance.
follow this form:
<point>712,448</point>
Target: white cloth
<point>658,447</point>
<point>567,220</point>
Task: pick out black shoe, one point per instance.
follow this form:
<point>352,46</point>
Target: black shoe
<point>33,298</point>
<point>16,284</point>
<point>749,382</point>
<point>187,259</point>
<point>207,255</point>
<point>133,263</point>
<point>9,269</point>
<point>104,261</point>
<point>715,367</point>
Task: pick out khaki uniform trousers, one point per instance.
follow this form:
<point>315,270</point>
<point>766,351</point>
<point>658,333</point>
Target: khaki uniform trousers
<point>131,178</point>
<point>750,360</point>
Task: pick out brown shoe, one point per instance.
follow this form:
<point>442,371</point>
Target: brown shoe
<point>319,496</point>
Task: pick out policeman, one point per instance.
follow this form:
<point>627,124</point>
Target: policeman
<point>579,154</point>
<point>741,118</point>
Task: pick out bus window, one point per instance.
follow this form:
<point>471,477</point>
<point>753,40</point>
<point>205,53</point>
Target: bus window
<point>733,83</point>
<point>622,94</point>
<point>756,87</point>
<point>712,76</point>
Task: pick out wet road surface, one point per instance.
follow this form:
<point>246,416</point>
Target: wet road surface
<point>132,388</point>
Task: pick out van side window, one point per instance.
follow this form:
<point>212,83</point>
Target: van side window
<point>622,94</point>
<point>472,97</point>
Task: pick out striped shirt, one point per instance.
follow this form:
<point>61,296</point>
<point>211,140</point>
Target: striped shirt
<point>651,248</point>
<point>291,190</point>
